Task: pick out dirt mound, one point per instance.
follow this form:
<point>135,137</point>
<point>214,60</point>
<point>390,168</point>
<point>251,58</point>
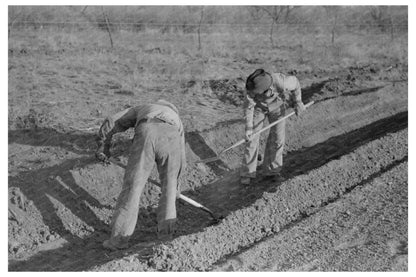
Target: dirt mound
<point>228,91</point>
<point>353,80</point>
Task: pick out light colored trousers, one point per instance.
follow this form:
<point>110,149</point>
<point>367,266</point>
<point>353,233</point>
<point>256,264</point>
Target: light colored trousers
<point>153,142</point>
<point>273,153</point>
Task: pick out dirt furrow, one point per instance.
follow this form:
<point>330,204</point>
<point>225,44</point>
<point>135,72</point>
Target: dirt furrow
<point>323,120</point>
<point>365,230</point>
<point>292,200</point>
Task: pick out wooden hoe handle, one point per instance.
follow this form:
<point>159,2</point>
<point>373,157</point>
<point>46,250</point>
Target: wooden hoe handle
<point>256,133</point>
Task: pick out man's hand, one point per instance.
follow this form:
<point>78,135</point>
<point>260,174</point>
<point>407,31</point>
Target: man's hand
<point>102,157</point>
<point>299,108</point>
<point>103,152</point>
<point>248,135</point>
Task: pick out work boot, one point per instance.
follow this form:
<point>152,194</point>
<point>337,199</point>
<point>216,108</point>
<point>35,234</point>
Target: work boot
<point>275,176</point>
<point>166,229</point>
<point>259,158</point>
<point>108,244</point>
<point>164,236</point>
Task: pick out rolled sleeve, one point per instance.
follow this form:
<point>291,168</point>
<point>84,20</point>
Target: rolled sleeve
<point>249,105</point>
<point>119,122</point>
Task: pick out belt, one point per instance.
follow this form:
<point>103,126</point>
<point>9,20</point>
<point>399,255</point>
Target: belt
<point>149,120</point>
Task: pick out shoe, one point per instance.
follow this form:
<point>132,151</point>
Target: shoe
<point>267,172</point>
<point>164,236</point>
<point>245,181</point>
<point>109,245</point>
<point>259,158</point>
<point>273,177</point>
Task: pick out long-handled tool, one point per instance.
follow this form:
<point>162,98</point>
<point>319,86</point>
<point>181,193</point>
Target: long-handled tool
<point>215,218</point>
<point>212,159</point>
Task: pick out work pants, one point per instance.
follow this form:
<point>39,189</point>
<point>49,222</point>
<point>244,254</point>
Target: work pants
<point>154,141</point>
<point>273,154</point>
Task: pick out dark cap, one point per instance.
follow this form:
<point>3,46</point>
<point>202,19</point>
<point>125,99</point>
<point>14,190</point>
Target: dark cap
<point>259,81</point>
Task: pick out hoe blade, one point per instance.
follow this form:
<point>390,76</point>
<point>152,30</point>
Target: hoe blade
<point>208,160</point>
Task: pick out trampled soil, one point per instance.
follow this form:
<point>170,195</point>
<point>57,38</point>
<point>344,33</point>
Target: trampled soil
<point>347,154</point>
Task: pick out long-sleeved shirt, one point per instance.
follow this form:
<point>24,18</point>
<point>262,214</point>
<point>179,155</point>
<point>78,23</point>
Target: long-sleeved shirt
<point>129,118</point>
<point>286,91</point>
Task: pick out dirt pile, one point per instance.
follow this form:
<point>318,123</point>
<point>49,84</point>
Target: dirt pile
<point>228,91</point>
<point>349,81</point>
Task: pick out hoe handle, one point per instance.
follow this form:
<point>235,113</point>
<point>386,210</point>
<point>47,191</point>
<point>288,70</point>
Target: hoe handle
<point>279,120</point>
<point>262,130</point>
<point>244,140</point>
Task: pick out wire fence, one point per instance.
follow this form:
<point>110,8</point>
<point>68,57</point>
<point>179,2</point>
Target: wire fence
<point>202,27</point>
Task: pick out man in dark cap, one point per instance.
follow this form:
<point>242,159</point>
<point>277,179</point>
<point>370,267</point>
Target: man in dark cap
<point>159,138</point>
<point>267,96</point>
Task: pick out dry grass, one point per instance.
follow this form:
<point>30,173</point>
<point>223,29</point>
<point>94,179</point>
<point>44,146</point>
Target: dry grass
<point>81,70</point>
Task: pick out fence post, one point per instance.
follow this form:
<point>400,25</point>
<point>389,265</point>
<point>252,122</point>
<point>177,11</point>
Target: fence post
<point>199,29</point>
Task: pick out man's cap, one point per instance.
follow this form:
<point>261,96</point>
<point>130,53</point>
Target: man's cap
<point>259,81</point>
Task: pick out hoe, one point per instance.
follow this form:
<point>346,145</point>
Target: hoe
<point>213,159</point>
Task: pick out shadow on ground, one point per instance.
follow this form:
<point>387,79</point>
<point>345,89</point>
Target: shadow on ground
<point>315,92</point>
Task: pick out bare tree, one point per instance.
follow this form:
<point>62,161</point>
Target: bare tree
<point>288,11</point>
<point>274,12</point>
<point>382,17</point>
<point>333,15</point>
<point>107,26</point>
<point>391,21</point>
<point>83,10</point>
<point>255,12</point>
<point>12,18</point>
<point>199,28</point>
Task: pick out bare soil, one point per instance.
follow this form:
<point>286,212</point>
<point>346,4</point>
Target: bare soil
<point>342,205</point>
<point>364,230</point>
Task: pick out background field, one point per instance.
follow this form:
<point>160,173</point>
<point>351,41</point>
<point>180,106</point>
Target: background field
<point>71,66</point>
<point>68,53</point>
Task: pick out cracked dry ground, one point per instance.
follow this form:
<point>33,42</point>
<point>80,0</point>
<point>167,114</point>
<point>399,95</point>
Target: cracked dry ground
<point>342,205</point>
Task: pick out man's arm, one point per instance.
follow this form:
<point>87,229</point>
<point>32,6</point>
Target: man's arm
<point>119,122</point>
<point>248,114</point>
<point>297,98</point>
<point>183,153</point>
